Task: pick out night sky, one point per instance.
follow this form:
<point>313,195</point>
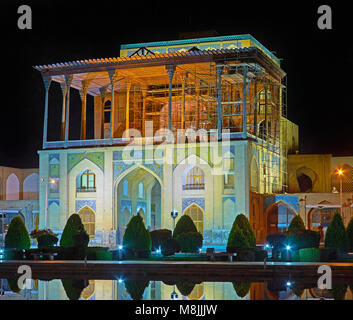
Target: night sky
<point>318,62</point>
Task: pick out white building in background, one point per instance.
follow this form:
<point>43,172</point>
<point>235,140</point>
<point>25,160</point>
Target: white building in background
<point>221,101</point>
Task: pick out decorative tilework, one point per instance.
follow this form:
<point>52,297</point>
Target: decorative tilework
<point>82,203</point>
<point>50,202</point>
<point>125,204</point>
<point>54,156</point>
<point>96,157</point>
<point>181,154</point>
<point>120,167</point>
<point>292,200</point>
<point>189,201</point>
<point>228,198</point>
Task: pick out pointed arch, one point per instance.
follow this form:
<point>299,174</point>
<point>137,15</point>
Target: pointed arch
<point>197,216</point>
<point>88,219</point>
<point>12,187</point>
<point>254,175</point>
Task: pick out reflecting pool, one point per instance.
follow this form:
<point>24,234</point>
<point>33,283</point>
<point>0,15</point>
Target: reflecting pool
<point>124,289</point>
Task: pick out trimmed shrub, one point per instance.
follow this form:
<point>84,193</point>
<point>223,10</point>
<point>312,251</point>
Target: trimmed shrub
<point>241,288</point>
<point>47,241</point>
<point>336,235</point>
<point>338,292</point>
<point>350,233</point>
<point>98,253</point>
<point>81,239</point>
<point>73,226</point>
<point>169,247</point>
<point>137,238</point>
<point>184,225</point>
<point>185,288</point>
<point>190,241</point>
<point>158,236</point>
<point>241,235</point>
<point>74,288</point>
<point>309,255</point>
<point>303,239</point>
<point>245,255</point>
<point>260,254</point>
<point>296,225</point>
<point>277,242</point>
<point>136,288</point>
<point>17,236</point>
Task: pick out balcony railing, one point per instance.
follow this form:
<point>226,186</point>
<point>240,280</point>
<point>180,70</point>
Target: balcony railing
<point>86,190</point>
<point>194,186</point>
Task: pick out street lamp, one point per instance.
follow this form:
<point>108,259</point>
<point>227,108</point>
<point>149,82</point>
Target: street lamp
<point>174,214</point>
<point>340,174</point>
<point>47,182</point>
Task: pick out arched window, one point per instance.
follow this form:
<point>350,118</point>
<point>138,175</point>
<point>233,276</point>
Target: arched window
<point>140,190</point>
<point>195,213</point>
<point>125,188</point>
<point>88,220</point>
<point>195,179</point>
<point>107,108</point>
<point>12,187</point>
<point>87,181</point>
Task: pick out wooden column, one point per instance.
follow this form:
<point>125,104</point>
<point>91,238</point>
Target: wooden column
<point>103,92</point>
<point>83,95</point>
<point>183,102</point>
<point>245,75</point>
<point>63,115</point>
<point>112,77</point>
<point>46,81</point>
<point>219,70</point>
<point>68,80</point>
<point>197,88</point>
<point>265,126</point>
<point>144,94</point>
<point>171,71</point>
<point>255,107</point>
<point>127,117</point>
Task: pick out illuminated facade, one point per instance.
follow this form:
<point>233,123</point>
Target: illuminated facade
<point>194,125</point>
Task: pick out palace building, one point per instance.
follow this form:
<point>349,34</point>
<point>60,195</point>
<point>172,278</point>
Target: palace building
<point>196,126</point>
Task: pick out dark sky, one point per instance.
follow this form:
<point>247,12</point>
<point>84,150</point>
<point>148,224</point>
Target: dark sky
<point>318,62</point>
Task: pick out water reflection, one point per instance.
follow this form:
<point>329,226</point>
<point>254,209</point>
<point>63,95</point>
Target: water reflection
<point>75,289</point>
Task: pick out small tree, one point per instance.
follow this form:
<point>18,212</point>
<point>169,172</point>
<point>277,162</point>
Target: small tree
<point>137,238</point>
<point>241,235</point>
<point>17,236</point>
<point>296,226</point>
<point>73,227</point>
<point>350,233</point>
<point>184,225</point>
<point>336,235</point>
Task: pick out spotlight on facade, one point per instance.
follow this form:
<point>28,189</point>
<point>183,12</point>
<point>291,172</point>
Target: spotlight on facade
<point>174,296</point>
<point>267,246</point>
<point>288,247</point>
<point>159,250</point>
<point>120,247</point>
<point>120,280</point>
<point>288,284</point>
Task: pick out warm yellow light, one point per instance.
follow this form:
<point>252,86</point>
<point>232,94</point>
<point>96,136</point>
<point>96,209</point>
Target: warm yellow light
<point>340,172</point>
<point>52,181</point>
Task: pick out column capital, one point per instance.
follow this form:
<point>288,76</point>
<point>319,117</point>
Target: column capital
<point>68,80</point>
<point>219,69</point>
<point>112,76</point>
<point>83,91</point>
<point>103,92</point>
<point>46,81</point>
<point>170,69</point>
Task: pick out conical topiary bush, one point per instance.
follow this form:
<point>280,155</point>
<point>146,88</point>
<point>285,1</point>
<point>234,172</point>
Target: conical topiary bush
<point>137,238</point>
<point>336,236</point>
<point>184,225</point>
<point>350,233</point>
<point>296,226</point>
<point>241,235</point>
<point>17,236</point>
<point>73,227</point>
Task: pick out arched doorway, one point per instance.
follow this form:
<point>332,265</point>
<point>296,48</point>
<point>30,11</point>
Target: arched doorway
<point>88,220</point>
<point>139,192</point>
<point>279,215</point>
<point>196,214</point>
